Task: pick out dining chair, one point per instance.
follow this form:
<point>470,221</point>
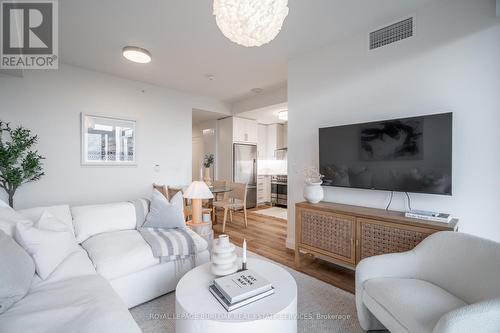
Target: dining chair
<point>188,208</point>
<point>218,184</point>
<point>162,189</point>
<point>218,197</point>
<point>234,200</point>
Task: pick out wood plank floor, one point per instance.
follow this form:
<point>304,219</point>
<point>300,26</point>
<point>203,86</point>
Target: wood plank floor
<point>266,236</point>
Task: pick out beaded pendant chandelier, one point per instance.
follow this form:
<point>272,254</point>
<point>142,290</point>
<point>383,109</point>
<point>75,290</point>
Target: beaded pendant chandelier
<point>250,22</point>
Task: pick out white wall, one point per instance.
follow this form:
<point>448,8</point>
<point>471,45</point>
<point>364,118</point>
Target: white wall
<point>50,102</point>
<point>453,64</point>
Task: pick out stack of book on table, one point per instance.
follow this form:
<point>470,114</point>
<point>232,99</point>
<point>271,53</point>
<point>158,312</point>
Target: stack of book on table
<point>239,289</point>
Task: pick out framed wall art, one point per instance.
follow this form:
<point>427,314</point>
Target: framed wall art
<point>107,140</point>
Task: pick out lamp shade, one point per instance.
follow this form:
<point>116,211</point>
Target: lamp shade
<point>198,190</point>
<point>250,22</point>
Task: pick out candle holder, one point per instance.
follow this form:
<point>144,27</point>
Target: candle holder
<point>244,257</point>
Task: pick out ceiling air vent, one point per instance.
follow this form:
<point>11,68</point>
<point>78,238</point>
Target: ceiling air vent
<point>392,33</point>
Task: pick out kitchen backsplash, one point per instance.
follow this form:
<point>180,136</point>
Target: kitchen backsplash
<point>271,167</point>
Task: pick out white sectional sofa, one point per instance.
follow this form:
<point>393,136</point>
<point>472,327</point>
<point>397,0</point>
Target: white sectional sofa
<point>113,270</point>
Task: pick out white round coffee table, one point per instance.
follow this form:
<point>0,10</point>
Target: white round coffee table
<point>197,310</point>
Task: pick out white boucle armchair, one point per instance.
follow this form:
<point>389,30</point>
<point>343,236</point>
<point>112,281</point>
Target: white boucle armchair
<point>449,283</point>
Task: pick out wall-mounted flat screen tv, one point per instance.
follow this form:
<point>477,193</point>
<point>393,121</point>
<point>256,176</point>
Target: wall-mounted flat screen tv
<point>405,155</point>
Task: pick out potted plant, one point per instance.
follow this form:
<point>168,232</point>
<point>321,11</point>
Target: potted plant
<point>313,192</point>
<point>208,161</point>
<point>18,163</point>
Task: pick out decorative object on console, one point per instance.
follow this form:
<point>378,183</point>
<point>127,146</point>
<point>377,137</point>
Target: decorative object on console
<point>208,161</point>
<point>198,191</point>
<point>313,192</point>
<point>429,216</point>
<point>224,259</point>
<point>250,22</point>
<point>107,141</point>
<point>18,163</point>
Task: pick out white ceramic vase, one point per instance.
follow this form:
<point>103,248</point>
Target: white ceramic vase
<point>224,259</point>
<point>313,192</point>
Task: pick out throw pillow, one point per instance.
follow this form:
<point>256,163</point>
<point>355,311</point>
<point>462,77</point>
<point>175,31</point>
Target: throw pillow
<point>17,271</point>
<point>61,212</point>
<point>165,214</point>
<point>49,222</point>
<point>9,218</point>
<point>49,243</point>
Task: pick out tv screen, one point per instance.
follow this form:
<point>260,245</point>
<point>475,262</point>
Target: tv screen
<point>406,155</point>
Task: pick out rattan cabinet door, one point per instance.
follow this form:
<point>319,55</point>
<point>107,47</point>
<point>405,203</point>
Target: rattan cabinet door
<point>377,237</point>
<point>329,234</point>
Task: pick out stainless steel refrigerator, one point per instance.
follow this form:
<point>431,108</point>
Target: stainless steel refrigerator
<point>245,170</point>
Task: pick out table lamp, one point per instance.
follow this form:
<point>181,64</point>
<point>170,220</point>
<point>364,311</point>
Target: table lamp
<point>197,191</point>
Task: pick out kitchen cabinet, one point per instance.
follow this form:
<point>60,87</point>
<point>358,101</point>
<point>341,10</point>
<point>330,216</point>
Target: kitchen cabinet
<point>231,131</point>
<point>263,189</point>
<point>276,139</point>
<point>261,142</point>
<point>245,130</point>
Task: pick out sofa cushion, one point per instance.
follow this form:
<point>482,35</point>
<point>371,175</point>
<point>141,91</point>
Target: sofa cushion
<point>85,304</point>
<point>61,212</point>
<point>17,271</point>
<point>408,305</point>
<point>96,219</point>
<point>119,253</point>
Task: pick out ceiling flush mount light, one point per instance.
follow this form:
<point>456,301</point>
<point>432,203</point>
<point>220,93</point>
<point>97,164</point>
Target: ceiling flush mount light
<point>136,54</point>
<point>250,22</point>
<point>283,115</point>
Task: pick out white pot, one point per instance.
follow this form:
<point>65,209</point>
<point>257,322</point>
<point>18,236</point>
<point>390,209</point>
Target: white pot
<point>313,192</point>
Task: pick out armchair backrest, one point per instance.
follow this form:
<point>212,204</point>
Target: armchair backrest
<point>465,265</point>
